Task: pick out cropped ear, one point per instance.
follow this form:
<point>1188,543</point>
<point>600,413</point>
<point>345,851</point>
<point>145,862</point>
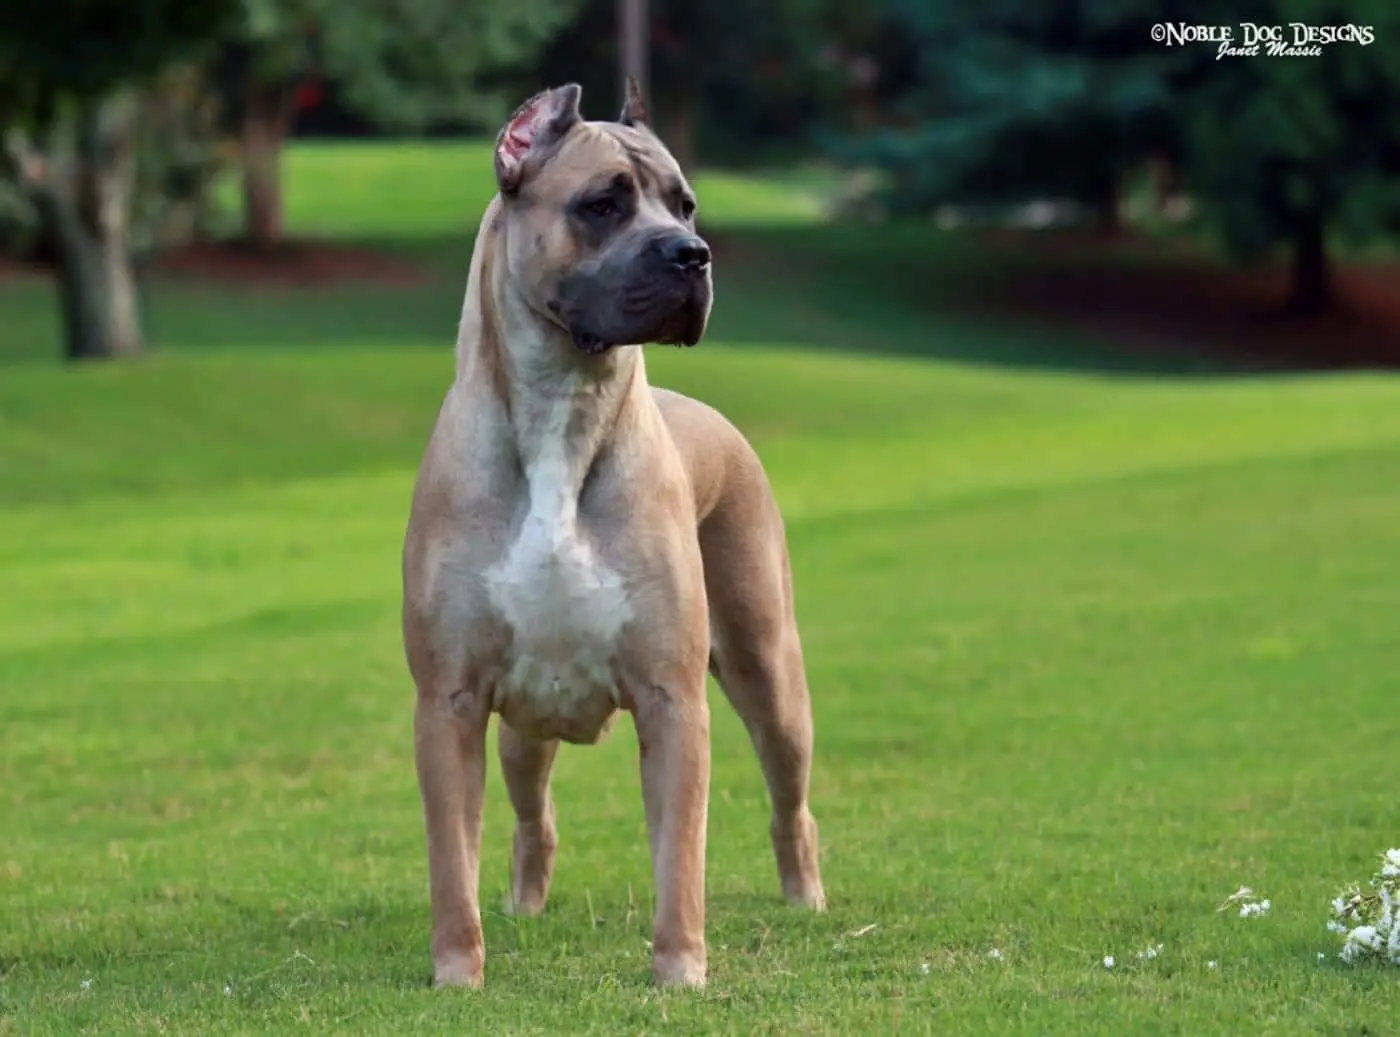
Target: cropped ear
<point>634,108</point>
<point>534,128</point>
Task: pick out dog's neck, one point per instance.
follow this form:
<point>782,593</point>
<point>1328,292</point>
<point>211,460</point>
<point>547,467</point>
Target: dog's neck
<point>558,404</point>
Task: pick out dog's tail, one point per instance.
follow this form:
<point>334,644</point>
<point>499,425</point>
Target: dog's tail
<point>470,324</point>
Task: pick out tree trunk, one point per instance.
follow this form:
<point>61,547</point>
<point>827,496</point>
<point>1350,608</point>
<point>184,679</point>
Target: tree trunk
<point>865,109</point>
<point>86,210</point>
<point>1312,276</point>
<point>101,319</point>
<point>1166,183</point>
<point>676,128</point>
<point>267,117</point>
<point>1109,208</point>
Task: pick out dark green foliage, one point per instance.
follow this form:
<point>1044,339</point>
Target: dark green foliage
<point>404,65</point>
<point>400,64</point>
<point>737,80</point>
<point>71,78</point>
<point>51,49</point>
<point>19,223</point>
<point>1063,98</point>
<point>178,158</point>
<point>1279,144</point>
<point>1299,150</point>
<point>411,63</point>
<point>1011,98</point>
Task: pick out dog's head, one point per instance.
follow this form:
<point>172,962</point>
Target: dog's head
<point>599,225</point>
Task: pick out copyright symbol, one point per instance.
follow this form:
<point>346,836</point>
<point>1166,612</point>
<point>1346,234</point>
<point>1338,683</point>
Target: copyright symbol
<point>1159,32</point>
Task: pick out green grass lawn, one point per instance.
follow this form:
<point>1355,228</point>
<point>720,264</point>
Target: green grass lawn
<point>1088,652</point>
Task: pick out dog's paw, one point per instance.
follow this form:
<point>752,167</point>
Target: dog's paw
<point>679,970</point>
<point>523,906</point>
<point>458,971</point>
<point>811,896</point>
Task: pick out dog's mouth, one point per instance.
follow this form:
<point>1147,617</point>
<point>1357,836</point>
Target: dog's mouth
<point>596,345</point>
<point>683,325</point>
<point>590,343</point>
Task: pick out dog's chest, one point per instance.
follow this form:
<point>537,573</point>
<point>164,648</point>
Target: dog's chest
<point>565,610</point>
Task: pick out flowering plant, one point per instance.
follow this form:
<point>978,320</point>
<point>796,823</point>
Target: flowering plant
<point>1369,923</point>
<point>1250,905</point>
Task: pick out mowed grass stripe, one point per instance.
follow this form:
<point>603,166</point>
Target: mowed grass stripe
<point>205,420</point>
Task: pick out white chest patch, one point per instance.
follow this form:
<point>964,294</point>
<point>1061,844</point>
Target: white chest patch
<point>565,610</point>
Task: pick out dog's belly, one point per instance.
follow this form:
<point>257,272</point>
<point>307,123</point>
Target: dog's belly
<point>565,611</point>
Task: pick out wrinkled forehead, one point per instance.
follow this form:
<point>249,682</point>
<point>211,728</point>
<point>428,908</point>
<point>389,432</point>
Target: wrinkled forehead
<point>594,153</point>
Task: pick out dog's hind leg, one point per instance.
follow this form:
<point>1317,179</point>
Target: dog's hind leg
<point>526,765</point>
<point>756,654</point>
<point>767,687</point>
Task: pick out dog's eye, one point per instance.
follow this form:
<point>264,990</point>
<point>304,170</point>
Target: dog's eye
<point>601,207</point>
<point>687,207</point>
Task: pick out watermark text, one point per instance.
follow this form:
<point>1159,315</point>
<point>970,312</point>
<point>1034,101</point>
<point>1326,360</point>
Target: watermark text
<point>1252,40</point>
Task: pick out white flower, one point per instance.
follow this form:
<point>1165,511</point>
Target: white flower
<point>228,990</point>
<point>1212,964</point>
<point>1108,961</point>
<point>994,954</point>
<point>1255,910</point>
<point>1150,951</point>
<point>1366,936</point>
<point>1250,906</point>
<point>85,985</point>
<point>1321,956</point>
<point>1372,919</point>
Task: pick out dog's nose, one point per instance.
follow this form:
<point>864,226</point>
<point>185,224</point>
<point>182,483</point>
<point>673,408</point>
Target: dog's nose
<point>688,252</point>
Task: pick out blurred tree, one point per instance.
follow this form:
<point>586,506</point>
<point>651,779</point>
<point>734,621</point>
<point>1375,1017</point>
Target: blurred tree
<point>401,64</point>
<point>70,73</point>
<point>179,155</point>
<point>1048,97</point>
<point>265,70</point>
<point>742,75</point>
<point>1021,98</point>
<point>1295,151</point>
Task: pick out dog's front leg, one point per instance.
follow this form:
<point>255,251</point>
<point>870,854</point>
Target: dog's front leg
<point>449,734</point>
<point>673,732</point>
